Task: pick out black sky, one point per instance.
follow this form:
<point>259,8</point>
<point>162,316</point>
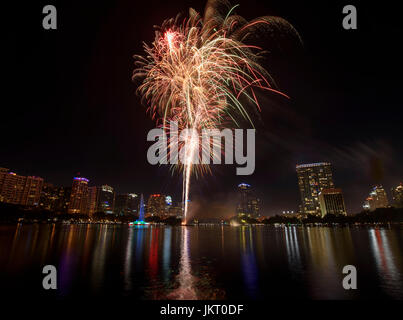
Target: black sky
<point>70,105</point>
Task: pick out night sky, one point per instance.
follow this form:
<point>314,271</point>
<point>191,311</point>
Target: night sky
<point>70,105</point>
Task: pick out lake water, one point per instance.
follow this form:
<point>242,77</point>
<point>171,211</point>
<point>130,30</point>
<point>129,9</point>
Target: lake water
<point>202,262</point>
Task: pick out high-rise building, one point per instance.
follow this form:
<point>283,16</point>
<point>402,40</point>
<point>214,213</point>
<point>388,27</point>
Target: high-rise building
<point>156,205</point>
<point>176,211</point>
<point>8,183</point>
<point>18,189</point>
<point>168,205</point>
<point>312,179</point>
<point>49,197</point>
<point>92,200</point>
<point>368,204</point>
<point>397,195</point>
<point>3,174</point>
<point>248,204</point>
<point>126,204</point>
<point>63,202</point>
<point>79,196</point>
<point>377,199</point>
<point>32,191</point>
<point>105,199</point>
<point>12,188</point>
<point>332,202</point>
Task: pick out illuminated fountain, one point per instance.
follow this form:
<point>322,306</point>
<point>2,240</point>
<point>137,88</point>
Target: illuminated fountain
<point>140,221</point>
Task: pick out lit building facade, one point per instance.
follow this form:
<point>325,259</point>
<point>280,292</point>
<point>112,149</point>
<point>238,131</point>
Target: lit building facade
<point>168,205</point>
<point>12,188</point>
<point>176,211</point>
<point>332,202</point>
<point>377,199</point>
<point>63,201</point>
<point>126,204</point>
<point>105,199</point>
<point>32,191</point>
<point>397,195</point>
<point>55,198</point>
<point>168,201</point>
<point>312,179</point>
<point>92,200</point>
<point>49,197</point>
<point>156,205</point>
<point>248,204</point>
<point>17,189</point>
<point>79,196</point>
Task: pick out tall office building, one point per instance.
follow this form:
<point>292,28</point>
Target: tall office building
<point>156,205</point>
<point>176,211</point>
<point>312,179</point>
<point>248,204</point>
<point>32,191</point>
<point>12,188</point>
<point>18,189</point>
<point>168,201</point>
<point>79,196</point>
<point>3,173</point>
<point>63,201</point>
<point>332,202</point>
<point>92,200</point>
<point>126,204</point>
<point>49,197</point>
<point>377,199</point>
<point>105,199</point>
<point>368,204</point>
<point>397,195</point>
<point>168,205</point>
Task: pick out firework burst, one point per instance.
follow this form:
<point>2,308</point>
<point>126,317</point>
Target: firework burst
<point>198,70</point>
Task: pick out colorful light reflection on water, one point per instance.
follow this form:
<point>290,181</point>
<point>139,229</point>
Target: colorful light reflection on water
<point>205,262</point>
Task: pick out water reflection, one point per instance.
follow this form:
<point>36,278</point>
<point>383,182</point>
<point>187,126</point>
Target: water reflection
<point>386,262</point>
<point>140,235</point>
<point>323,266</point>
<point>167,253</point>
<point>293,251</point>
<point>203,263</point>
<point>66,267</point>
<point>249,267</point>
<point>153,254</point>
<point>100,252</point>
<point>128,261</point>
<point>186,289</point>
<point>16,241</point>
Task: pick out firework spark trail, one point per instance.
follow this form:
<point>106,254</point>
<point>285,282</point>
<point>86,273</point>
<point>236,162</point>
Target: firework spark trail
<point>193,148</point>
<point>196,72</point>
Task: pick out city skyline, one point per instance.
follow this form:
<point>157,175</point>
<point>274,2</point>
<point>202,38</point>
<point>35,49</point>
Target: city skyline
<point>93,194</point>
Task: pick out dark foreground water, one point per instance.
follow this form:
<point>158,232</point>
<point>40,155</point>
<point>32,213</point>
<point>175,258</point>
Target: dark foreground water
<point>205,262</point>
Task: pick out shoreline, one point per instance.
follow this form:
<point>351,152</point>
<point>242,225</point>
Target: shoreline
<point>332,225</point>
